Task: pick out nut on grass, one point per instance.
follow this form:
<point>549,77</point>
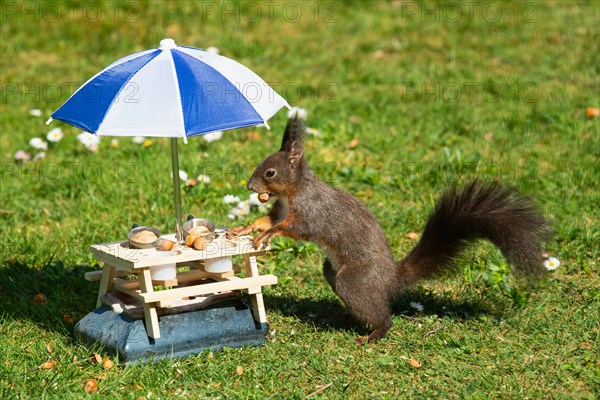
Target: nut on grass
<point>48,364</point>
<point>592,112</point>
<point>96,358</point>
<point>40,298</point>
<point>107,363</point>
<point>90,386</point>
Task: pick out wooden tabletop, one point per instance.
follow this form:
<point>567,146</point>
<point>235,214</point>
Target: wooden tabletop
<point>120,255</point>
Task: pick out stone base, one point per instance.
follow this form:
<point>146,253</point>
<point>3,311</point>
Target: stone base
<point>228,324</point>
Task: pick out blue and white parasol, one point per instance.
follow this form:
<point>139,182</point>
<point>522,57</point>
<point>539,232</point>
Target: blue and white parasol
<point>173,91</point>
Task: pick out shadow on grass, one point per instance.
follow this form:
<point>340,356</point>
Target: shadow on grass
<point>323,313</point>
<point>68,296</point>
<point>331,314</point>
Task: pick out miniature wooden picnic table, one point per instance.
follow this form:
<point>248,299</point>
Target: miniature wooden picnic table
<point>119,260</point>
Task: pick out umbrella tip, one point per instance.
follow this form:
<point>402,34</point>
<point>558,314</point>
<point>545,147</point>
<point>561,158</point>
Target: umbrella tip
<point>49,120</point>
<point>167,44</point>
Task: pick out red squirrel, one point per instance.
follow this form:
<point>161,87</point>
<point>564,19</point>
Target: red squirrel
<point>359,265</point>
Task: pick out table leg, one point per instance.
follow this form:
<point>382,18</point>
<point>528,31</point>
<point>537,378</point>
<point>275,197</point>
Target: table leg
<point>150,315</point>
<point>106,283</point>
<point>256,297</point>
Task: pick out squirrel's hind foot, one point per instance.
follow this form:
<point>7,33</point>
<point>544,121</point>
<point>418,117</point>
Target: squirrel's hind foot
<point>377,334</point>
<point>359,341</point>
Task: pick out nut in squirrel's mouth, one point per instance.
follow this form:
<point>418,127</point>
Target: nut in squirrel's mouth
<point>264,197</point>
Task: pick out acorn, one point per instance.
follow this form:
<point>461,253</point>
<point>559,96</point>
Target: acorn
<point>165,245</point>
<point>189,240</point>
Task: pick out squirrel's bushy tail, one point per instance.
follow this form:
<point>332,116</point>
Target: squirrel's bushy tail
<point>478,211</point>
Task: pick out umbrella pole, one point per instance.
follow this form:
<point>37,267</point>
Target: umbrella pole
<point>176,188</point>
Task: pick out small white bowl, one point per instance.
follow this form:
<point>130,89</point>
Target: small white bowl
<point>166,271</point>
<point>219,264</point>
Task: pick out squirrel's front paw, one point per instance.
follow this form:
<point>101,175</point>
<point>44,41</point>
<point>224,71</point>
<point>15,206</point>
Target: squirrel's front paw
<point>257,242</point>
<point>240,230</point>
<point>262,240</point>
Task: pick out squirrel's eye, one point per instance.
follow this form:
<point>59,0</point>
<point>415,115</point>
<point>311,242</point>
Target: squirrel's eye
<point>270,173</point>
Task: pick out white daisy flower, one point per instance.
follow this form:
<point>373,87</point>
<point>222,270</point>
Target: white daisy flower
<point>243,208</point>
<point>138,139</point>
<point>211,137</point>
<point>213,50</point>
<point>203,178</point>
<point>230,216</point>
<point>552,263</point>
<point>230,199</point>
<point>246,208</point>
<point>417,306</point>
<point>38,144</point>
<point>114,143</point>
<point>253,200</point>
<point>313,132</point>
<point>299,112</point>
<point>22,156</point>
<point>39,156</point>
<point>55,135</point>
<point>35,112</point>
<point>182,175</point>
<point>89,140</point>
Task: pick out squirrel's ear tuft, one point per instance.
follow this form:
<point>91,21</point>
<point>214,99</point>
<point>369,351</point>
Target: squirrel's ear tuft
<point>295,153</point>
<point>294,132</point>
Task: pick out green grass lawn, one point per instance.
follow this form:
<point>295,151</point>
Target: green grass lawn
<point>433,93</point>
